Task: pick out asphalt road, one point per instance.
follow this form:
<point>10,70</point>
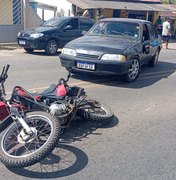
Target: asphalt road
<point>139,144</point>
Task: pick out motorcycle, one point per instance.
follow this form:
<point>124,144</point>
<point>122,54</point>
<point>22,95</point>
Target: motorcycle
<point>62,103</point>
<point>28,136</point>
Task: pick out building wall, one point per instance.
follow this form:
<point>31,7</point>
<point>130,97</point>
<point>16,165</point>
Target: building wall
<point>31,18</point>
<point>6,12</point>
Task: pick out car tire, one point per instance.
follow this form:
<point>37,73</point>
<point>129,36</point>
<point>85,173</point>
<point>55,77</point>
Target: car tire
<point>154,59</point>
<point>51,47</point>
<point>133,71</point>
<point>28,50</point>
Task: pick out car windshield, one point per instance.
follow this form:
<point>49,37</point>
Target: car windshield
<point>115,29</point>
<point>54,22</point>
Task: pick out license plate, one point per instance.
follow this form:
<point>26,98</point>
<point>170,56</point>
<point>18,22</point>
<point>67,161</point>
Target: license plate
<point>85,65</point>
<point>22,42</point>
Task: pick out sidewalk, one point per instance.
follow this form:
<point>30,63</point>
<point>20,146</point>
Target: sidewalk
<point>9,46</point>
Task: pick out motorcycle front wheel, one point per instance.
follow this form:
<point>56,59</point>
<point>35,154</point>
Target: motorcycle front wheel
<point>95,111</point>
<point>18,149</point>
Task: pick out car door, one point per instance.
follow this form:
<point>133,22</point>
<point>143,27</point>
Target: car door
<point>69,32</point>
<point>146,44</point>
<point>154,40</point>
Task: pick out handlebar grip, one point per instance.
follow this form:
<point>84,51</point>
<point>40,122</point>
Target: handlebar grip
<point>2,72</point>
<point>4,75</point>
<point>6,68</point>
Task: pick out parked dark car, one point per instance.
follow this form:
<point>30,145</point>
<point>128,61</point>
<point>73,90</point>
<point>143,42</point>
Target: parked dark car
<point>114,46</point>
<point>54,33</point>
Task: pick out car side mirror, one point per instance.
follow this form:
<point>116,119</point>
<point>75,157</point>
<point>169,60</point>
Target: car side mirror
<point>68,27</point>
<point>84,32</point>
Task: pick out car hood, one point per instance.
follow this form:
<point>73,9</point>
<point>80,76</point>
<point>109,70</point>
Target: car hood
<point>101,44</point>
<point>40,29</point>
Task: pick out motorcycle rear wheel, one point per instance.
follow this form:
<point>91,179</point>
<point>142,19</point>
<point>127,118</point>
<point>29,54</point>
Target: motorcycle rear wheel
<point>18,151</point>
<point>95,111</point>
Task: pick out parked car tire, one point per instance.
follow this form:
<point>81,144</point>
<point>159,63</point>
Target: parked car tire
<point>28,50</point>
<point>133,71</point>
<point>154,59</point>
<point>51,47</point>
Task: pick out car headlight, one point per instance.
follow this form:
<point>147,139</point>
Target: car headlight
<point>113,57</point>
<point>69,51</point>
<point>19,34</point>
<point>36,35</point>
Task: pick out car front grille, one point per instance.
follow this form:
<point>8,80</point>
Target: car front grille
<point>87,56</point>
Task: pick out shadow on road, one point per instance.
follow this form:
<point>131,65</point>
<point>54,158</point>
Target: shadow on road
<point>42,53</point>
<point>148,76</point>
<point>65,159</point>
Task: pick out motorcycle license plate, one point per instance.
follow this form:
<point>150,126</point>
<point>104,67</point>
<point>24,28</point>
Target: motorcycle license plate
<point>22,42</point>
<point>85,65</point>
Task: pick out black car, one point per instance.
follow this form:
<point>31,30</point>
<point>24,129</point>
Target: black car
<point>114,46</point>
<point>54,33</point>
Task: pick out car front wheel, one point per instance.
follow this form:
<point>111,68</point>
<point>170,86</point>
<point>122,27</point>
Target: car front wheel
<point>51,47</point>
<point>133,71</point>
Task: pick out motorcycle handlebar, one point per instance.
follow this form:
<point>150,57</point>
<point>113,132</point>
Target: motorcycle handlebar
<point>63,81</point>
<point>4,75</point>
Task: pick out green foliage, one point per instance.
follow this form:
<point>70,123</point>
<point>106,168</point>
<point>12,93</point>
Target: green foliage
<point>166,1</point>
<point>169,1</point>
<point>172,1</point>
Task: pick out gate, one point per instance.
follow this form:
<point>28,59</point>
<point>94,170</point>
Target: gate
<point>11,20</point>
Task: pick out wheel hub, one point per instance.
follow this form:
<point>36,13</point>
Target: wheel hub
<point>23,137</point>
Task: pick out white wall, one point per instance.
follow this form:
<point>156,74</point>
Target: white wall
<point>63,6</point>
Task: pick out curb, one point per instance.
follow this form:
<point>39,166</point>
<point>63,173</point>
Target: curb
<point>9,46</point>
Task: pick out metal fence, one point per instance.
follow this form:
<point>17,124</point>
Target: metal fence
<point>11,19</point>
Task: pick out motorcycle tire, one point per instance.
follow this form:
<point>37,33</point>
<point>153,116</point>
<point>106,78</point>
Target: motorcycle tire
<point>18,151</point>
<point>98,112</point>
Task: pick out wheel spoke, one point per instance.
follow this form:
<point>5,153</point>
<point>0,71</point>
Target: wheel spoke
<point>16,146</point>
<point>134,70</point>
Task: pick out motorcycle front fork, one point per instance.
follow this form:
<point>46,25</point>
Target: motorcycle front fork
<point>15,113</point>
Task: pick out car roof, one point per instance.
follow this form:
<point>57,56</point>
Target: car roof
<point>125,20</point>
<point>72,17</point>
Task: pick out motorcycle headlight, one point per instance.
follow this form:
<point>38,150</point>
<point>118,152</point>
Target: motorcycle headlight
<point>113,57</point>
<point>69,51</point>
<point>36,35</point>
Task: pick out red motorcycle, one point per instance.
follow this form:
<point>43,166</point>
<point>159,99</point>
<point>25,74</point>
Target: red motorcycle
<point>60,103</point>
<point>30,135</point>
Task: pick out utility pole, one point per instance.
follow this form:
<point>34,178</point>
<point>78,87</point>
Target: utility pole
<point>25,4</point>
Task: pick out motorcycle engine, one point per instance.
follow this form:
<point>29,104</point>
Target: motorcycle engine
<point>57,109</point>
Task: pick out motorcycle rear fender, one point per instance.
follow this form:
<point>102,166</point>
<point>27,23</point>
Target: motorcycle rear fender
<point>3,110</point>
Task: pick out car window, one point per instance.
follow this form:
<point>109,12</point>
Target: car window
<point>145,35</point>
<point>73,23</point>
<point>152,31</point>
<point>85,24</point>
<point>54,22</point>
<point>116,29</point>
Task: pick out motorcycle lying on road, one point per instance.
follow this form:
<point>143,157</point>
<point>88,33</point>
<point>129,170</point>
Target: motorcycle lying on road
<point>62,103</point>
<point>30,135</point>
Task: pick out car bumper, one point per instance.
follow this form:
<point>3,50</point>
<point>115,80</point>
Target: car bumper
<point>31,43</point>
<point>100,66</point>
